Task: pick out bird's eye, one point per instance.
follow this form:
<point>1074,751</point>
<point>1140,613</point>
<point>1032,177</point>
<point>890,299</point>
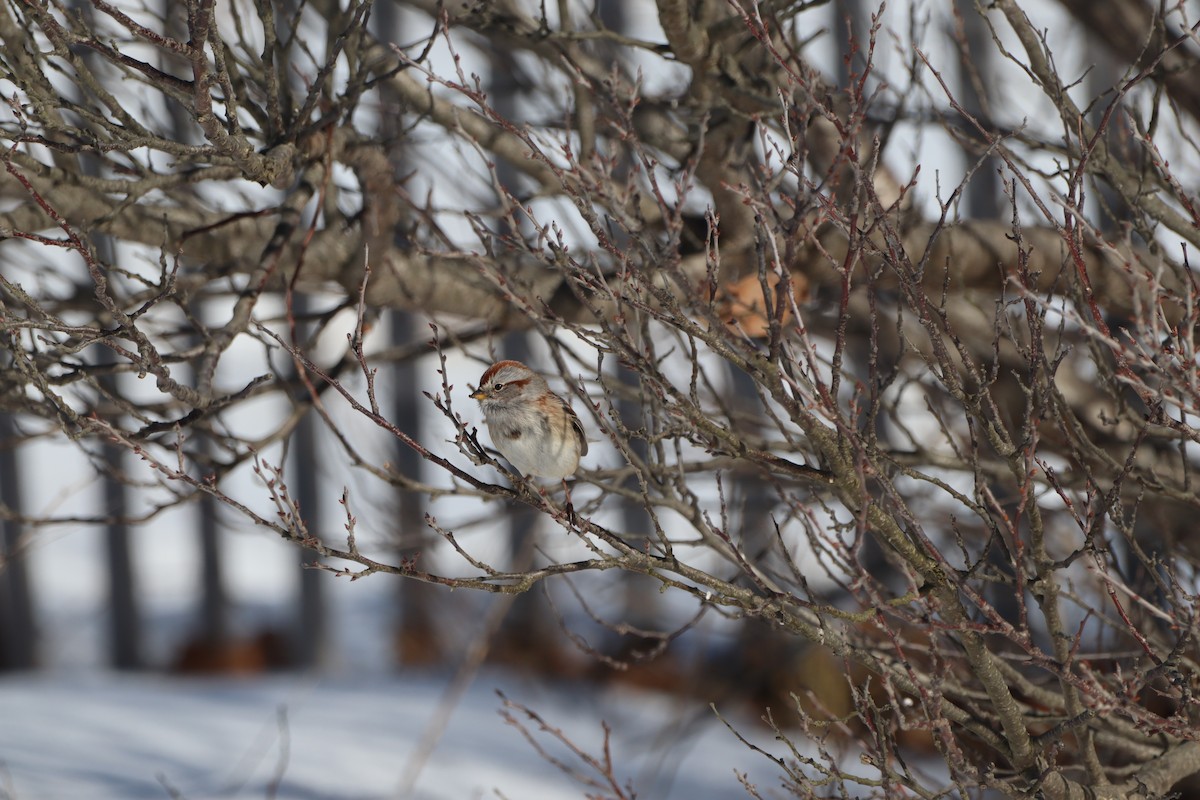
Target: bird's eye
<point>497,387</point>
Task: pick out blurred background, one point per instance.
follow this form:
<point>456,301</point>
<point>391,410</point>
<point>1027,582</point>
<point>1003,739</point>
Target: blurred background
<point>153,615</point>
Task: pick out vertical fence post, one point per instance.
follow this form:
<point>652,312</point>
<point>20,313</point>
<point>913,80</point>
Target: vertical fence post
<point>310,632</point>
<point>18,632</point>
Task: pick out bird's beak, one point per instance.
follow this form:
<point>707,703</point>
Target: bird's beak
<point>478,394</point>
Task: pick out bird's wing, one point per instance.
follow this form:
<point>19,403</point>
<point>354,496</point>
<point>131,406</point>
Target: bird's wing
<point>578,426</point>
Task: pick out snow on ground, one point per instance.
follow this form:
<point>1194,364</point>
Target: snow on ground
<point>102,736</point>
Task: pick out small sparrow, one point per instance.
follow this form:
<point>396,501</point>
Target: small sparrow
<point>531,426</point>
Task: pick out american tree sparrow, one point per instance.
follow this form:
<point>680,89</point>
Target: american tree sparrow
<point>531,426</point>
